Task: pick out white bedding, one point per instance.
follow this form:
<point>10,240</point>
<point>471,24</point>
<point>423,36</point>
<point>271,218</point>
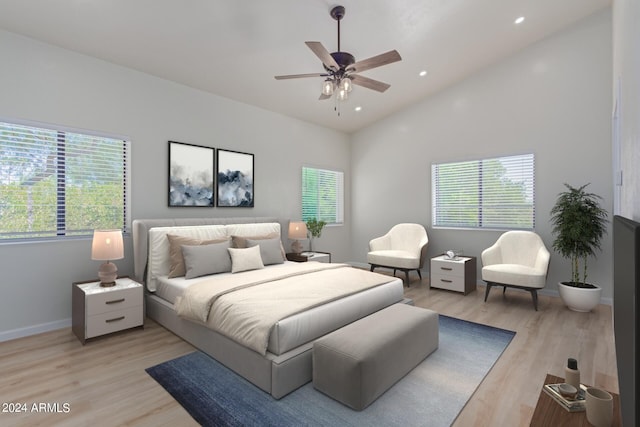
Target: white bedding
<point>306,326</point>
<point>170,289</point>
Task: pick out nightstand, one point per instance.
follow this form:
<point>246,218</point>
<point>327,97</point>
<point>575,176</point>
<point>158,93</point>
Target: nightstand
<point>98,311</point>
<point>309,256</point>
<point>457,274</point>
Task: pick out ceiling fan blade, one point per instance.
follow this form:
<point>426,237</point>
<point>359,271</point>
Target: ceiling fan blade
<point>323,97</point>
<point>369,83</point>
<point>299,76</point>
<point>375,61</point>
<point>323,54</point>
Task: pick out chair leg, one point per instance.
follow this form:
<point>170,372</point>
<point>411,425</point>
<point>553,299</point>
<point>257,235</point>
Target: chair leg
<point>486,292</point>
<point>406,272</point>
<point>534,295</point>
<point>372,267</point>
<point>419,274</point>
<point>504,290</point>
<point>394,272</point>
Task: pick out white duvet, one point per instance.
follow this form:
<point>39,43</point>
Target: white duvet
<point>245,306</point>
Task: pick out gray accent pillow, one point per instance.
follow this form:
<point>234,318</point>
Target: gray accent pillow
<point>245,259</point>
<point>269,250</point>
<point>202,260</point>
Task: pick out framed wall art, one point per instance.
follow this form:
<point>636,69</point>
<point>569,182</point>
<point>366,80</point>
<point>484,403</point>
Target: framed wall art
<point>235,179</point>
<point>191,175</point>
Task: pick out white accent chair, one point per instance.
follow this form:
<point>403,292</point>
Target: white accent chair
<point>519,260</point>
<point>403,248</point>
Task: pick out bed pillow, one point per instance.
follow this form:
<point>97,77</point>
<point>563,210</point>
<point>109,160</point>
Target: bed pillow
<point>202,260</point>
<point>241,241</point>
<point>245,259</point>
<point>270,251</point>
<point>176,260</point>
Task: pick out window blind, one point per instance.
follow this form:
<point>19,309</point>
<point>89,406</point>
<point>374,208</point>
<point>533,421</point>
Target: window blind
<point>322,195</point>
<point>60,183</point>
<point>495,193</point>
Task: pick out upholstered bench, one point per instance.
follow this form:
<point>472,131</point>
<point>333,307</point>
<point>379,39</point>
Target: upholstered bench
<point>357,363</point>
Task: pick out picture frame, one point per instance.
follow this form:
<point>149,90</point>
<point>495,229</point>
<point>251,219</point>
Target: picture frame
<point>191,175</point>
<point>235,179</point>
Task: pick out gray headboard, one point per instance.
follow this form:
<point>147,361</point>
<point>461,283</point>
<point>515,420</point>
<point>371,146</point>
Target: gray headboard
<point>141,229</point>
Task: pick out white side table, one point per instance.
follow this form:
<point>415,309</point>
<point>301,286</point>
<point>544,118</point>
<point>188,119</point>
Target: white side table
<point>98,311</point>
<point>457,274</point>
<point>309,256</point>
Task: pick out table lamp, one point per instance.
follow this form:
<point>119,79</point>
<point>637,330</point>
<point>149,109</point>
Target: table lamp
<point>297,232</point>
<point>107,245</point>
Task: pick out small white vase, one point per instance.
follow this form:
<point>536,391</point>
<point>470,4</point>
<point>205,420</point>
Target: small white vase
<point>580,299</point>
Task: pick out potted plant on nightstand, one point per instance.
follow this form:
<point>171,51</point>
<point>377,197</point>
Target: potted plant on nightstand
<point>315,230</point>
<point>579,223</point>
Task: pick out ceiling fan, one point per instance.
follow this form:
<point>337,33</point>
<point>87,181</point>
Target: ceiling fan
<point>341,68</point>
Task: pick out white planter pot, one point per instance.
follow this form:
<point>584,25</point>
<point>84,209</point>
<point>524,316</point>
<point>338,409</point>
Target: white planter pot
<point>580,299</point>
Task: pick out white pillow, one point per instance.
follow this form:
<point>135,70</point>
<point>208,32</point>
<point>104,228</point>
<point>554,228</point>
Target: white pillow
<point>245,259</point>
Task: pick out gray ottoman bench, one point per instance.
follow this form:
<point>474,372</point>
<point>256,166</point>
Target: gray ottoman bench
<point>356,364</point>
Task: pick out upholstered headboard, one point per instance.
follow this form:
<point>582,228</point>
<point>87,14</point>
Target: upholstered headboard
<point>141,229</point>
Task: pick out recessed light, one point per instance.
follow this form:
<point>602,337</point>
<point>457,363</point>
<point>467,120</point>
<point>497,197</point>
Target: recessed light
<point>520,20</point>
<point>358,108</point>
<point>422,73</point>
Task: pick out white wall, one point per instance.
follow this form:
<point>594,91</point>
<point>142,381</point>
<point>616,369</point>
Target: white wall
<point>552,99</point>
<point>40,82</point>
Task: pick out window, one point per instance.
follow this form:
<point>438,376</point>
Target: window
<point>492,193</point>
<point>56,183</point>
<point>322,195</point>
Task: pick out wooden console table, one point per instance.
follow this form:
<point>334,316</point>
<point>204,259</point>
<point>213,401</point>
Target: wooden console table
<point>548,412</point>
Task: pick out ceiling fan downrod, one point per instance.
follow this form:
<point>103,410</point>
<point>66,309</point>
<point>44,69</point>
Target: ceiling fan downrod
<point>337,13</point>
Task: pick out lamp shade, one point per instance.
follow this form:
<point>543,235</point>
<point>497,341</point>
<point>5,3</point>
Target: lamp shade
<point>107,245</point>
<point>297,230</point>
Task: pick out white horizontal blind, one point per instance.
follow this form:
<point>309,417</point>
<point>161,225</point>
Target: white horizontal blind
<point>493,193</point>
<point>322,195</point>
<point>56,183</point>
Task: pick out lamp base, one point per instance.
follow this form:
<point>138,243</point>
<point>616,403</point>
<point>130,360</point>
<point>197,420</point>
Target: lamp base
<point>296,247</point>
<point>108,273</point>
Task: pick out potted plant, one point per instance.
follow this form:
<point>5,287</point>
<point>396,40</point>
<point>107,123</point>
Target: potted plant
<point>315,230</point>
<point>579,223</point>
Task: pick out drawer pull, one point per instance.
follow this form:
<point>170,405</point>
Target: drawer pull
<point>114,320</point>
<point>115,301</point>
<point>446,281</point>
<point>446,268</point>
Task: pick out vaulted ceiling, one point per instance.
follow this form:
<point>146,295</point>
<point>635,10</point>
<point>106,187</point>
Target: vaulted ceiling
<point>235,48</point>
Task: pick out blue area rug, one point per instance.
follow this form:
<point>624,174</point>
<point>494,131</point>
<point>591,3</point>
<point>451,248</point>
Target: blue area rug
<point>433,394</point>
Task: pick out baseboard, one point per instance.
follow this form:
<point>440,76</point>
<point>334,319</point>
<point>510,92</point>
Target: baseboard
<point>34,330</point>
<point>555,293</point>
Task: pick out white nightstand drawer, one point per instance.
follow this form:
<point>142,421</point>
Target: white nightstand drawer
<point>453,274</point>
<point>113,300</point>
<point>451,283</point>
<point>449,267</point>
<point>113,321</point>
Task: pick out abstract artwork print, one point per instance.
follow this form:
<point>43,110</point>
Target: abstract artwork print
<point>235,179</point>
<point>191,175</point>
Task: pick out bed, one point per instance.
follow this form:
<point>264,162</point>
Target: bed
<point>258,321</point>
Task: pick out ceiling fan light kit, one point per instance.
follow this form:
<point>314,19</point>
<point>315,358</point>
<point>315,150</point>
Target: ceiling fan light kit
<point>341,68</point>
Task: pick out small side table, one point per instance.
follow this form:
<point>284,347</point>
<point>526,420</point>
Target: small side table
<point>99,311</point>
<point>549,413</point>
<point>457,274</point>
<point>309,256</point>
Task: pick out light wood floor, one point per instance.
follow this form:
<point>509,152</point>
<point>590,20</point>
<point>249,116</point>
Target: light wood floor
<point>104,382</point>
